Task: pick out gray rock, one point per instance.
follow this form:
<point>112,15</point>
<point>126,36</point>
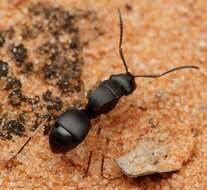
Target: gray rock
<point>148,158</point>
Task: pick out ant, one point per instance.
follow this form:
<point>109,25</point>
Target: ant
<point>71,127</point>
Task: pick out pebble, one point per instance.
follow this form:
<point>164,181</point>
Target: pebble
<point>4,68</point>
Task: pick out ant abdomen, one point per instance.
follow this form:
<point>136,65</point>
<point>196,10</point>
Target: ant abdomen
<point>69,130</point>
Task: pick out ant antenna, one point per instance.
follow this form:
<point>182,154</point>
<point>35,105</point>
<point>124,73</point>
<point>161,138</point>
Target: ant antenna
<point>169,71</point>
<point>120,41</point>
<point>147,76</point>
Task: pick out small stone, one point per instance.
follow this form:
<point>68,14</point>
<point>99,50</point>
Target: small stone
<point>27,67</point>
<point>28,33</point>
<point>50,71</point>
<point>53,103</point>
<point>47,95</point>
<point>149,158</point>
<point>34,102</point>
<point>4,69</point>
<point>13,83</point>
<point>48,48</point>
<point>73,44</point>
<point>19,52</point>
<point>12,127</point>
<point>16,97</point>
<point>64,83</point>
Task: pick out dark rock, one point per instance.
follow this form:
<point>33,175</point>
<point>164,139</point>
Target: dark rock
<point>4,69</point>
<point>16,97</point>
<point>13,83</point>
<point>12,127</point>
<point>19,52</point>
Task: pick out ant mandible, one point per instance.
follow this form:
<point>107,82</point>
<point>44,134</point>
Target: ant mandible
<point>71,128</point>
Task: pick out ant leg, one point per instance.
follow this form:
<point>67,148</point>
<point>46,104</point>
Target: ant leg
<point>102,167</point>
<point>90,154</point>
<point>88,165</point>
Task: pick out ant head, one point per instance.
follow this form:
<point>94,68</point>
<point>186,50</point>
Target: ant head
<point>69,131</point>
<point>126,81</point>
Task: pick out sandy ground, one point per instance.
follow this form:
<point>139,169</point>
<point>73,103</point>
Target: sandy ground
<point>159,35</point>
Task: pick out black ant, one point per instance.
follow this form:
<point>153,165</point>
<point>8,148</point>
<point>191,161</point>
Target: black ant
<point>71,128</point>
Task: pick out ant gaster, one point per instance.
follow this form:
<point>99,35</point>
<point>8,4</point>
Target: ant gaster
<point>71,128</point>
